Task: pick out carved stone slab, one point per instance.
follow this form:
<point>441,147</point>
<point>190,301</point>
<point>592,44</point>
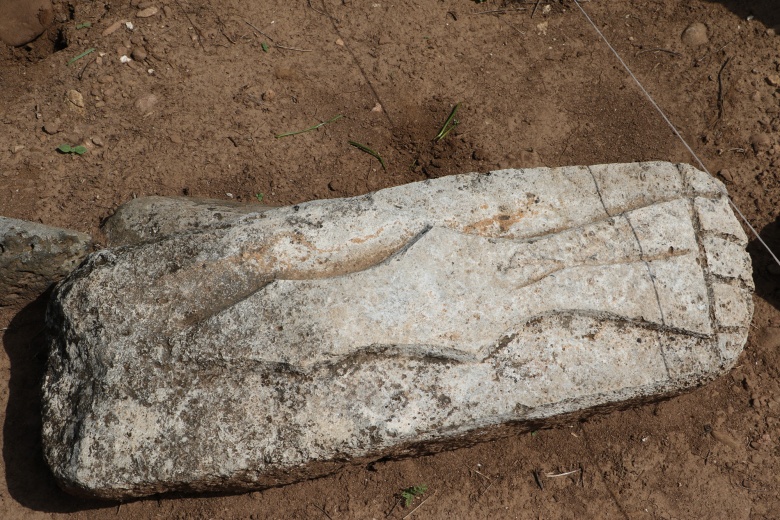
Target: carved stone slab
<point>414,319</point>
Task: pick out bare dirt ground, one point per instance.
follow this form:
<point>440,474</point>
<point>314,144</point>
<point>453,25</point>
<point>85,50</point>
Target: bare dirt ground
<point>210,85</point>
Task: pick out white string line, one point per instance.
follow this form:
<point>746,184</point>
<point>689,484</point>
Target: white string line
<point>674,129</point>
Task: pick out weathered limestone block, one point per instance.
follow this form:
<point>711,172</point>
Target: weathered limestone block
<point>414,319</point>
<point>34,256</point>
<point>146,219</point>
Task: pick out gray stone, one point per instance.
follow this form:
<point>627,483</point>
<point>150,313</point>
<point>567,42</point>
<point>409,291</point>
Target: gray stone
<point>415,319</point>
<point>146,219</point>
<point>33,256</point>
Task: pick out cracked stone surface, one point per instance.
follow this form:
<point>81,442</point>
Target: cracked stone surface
<point>415,319</point>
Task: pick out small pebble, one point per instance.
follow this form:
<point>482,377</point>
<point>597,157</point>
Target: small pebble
<point>723,437</point>
<point>75,97</point>
<point>726,176</point>
<point>269,95</point>
<point>377,108</point>
<point>695,35</point>
<point>146,13</point>
<point>146,103</point>
<point>112,28</point>
<point>761,142</point>
<point>139,54</point>
<point>285,73</point>
<point>339,42</point>
<point>167,11</point>
<point>17,148</point>
<point>97,141</point>
<point>773,79</point>
<point>52,127</point>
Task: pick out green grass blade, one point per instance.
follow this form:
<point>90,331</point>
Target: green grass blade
<point>369,151</point>
<point>449,124</point>
<point>288,134</point>
<point>88,51</point>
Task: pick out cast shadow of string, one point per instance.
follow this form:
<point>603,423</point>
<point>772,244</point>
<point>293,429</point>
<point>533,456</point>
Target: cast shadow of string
<point>766,272</point>
<point>29,479</point>
<point>765,11</point>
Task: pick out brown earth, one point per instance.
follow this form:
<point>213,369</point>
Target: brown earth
<point>211,83</point>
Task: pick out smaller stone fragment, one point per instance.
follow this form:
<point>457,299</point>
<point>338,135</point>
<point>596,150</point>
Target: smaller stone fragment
<point>75,97</point>
<point>726,175</point>
<point>21,21</point>
<point>139,54</point>
<point>146,13</point>
<point>725,438</point>
<point>33,256</point>
<point>146,103</point>
<point>112,28</point>
<point>695,35</point>
<point>285,73</point>
<point>761,142</point>
<point>52,127</point>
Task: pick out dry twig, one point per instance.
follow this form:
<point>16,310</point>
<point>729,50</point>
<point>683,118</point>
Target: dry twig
<point>259,31</point>
<point>720,89</point>
<point>536,7</point>
<point>322,510</point>
<point>658,49</point>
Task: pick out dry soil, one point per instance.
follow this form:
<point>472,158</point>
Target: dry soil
<point>210,84</point>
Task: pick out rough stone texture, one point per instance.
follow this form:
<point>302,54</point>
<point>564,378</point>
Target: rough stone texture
<point>21,21</point>
<point>147,219</point>
<point>33,256</point>
<point>418,318</point>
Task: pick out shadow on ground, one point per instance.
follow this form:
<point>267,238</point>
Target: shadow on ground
<point>764,11</point>
<point>29,480</point>
<point>766,271</point>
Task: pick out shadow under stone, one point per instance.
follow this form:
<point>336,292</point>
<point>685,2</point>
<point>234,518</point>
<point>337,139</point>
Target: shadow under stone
<point>764,11</point>
<point>766,272</point>
<point>29,479</point>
